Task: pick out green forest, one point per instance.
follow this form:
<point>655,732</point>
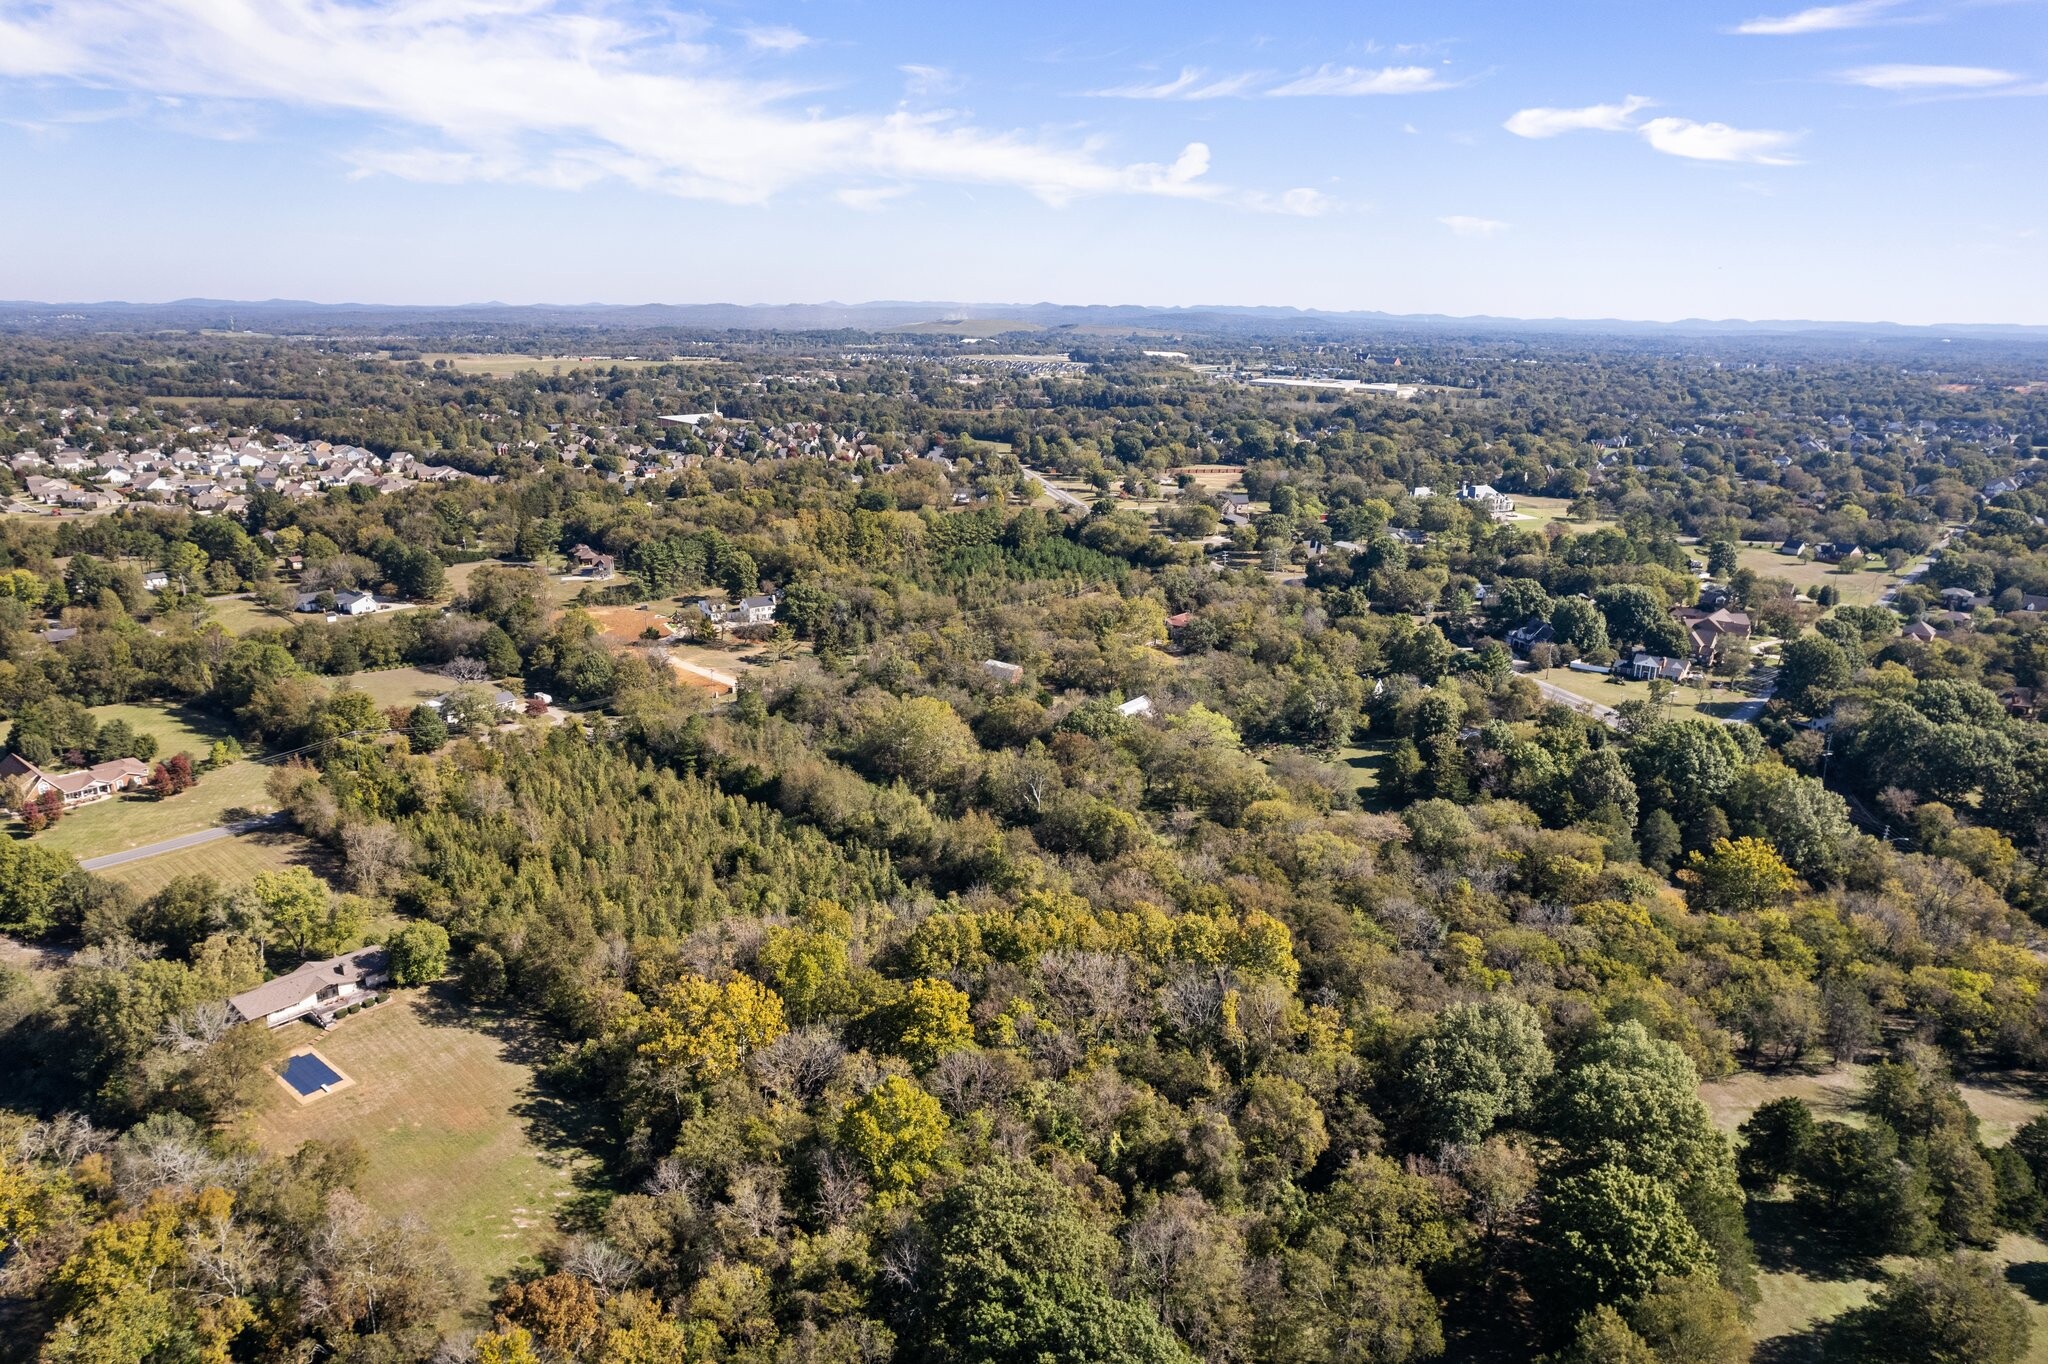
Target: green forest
<point>1177,926</point>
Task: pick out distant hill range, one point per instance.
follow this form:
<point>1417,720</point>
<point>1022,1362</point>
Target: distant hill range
<point>978,320</point>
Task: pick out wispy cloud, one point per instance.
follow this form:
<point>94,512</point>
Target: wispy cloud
<point>1719,142</point>
<point>929,80</point>
<point>1195,83</point>
<point>1819,19</point>
<point>1673,136</point>
<point>1192,83</point>
<point>549,92</point>
<point>1599,118</point>
<point>1355,80</point>
<point>1463,225</point>
<point>775,37</point>
<point>1907,76</point>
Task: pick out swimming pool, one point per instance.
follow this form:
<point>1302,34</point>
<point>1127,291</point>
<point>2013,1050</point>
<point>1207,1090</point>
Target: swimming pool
<point>307,1074</point>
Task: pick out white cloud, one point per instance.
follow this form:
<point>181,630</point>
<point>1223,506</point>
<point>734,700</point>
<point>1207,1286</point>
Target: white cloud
<point>1353,80</point>
<point>1600,118</point>
<point>1906,76</point>
<point>929,80</point>
<point>1191,84</point>
<point>1464,225</point>
<point>547,92</point>
<point>1820,19</point>
<point>775,37</point>
<point>1719,142</point>
<point>1301,203</point>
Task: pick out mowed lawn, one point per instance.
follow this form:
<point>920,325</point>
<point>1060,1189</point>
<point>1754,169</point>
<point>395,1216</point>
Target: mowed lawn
<point>397,686</point>
<point>1801,1289</point>
<point>231,862</point>
<point>1797,1299</point>
<point>1684,698</point>
<point>1544,510</point>
<point>2002,1101</point>
<point>178,729</point>
<point>1860,586</point>
<point>557,591</point>
<point>238,615</point>
<point>129,821</point>
<point>446,1109</point>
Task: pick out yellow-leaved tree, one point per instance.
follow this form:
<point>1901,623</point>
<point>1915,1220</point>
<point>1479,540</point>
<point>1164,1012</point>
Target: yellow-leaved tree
<point>708,1029</point>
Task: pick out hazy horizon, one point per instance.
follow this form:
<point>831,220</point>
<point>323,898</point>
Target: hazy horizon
<point>1748,159</point>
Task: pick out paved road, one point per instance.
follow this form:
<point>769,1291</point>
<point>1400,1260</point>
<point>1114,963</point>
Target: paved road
<point>1551,692</point>
<point>1059,495</point>
<point>180,843</point>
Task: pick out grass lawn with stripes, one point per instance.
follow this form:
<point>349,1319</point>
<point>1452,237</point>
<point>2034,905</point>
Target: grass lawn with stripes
<point>457,1131</point>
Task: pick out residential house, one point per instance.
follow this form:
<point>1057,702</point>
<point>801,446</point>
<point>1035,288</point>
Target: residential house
<point>345,603</point>
<point>155,580</point>
<point>2030,602</point>
<point>1484,496</point>
<point>319,989</point>
<point>1837,552</point>
<point>1794,548</point>
<point>1919,630</point>
<point>1530,633</point>
<point>591,564</point>
<point>2018,702</point>
<point>87,784</point>
<point>1646,666</point>
<point>755,610</point>
<point>1711,630</point>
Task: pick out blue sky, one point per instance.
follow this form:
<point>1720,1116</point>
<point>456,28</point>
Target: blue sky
<point>1873,159</point>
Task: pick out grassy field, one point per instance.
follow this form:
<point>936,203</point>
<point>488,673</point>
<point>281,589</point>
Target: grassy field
<point>128,821</point>
<point>178,729</point>
<point>446,1107</point>
<point>1367,761</point>
<point>1543,510</point>
<point>557,591</point>
<point>398,686</point>
<point>1684,698</point>
<point>239,615</point>
<point>1858,587</point>
<point>1802,1287</point>
<point>2002,1101</point>
<point>1800,1294</point>
<point>229,861</point>
<point>125,821</point>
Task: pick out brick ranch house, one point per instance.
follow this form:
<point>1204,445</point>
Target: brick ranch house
<point>92,783</point>
<point>318,988</point>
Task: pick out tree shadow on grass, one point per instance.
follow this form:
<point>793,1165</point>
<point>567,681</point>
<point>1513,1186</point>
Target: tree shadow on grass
<point>1788,1242</point>
<point>2031,1278</point>
<point>1839,1338</point>
<point>561,1128</point>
